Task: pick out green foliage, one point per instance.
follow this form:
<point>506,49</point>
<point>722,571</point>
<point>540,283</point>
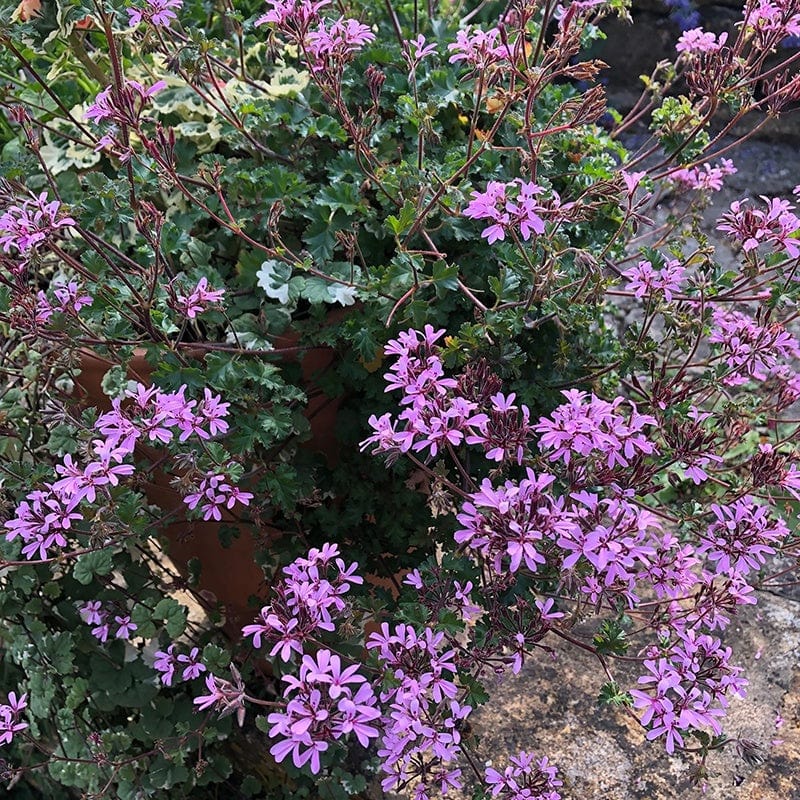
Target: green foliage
<point>610,694</point>
<point>611,638</point>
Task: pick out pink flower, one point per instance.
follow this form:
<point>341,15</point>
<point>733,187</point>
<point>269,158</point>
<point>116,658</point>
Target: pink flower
<point>227,697</point>
<point>415,50</point>
<point>126,627</point>
<point>632,180</point>
<point>27,226</point>
<point>194,667</point>
<point>741,537</point>
<point>165,664</point>
<point>124,107</point>
<point>158,13</point>
<point>292,17</point>
<point>704,177</point>
<point>514,523</point>
<point>215,493</point>
<point>586,426</point>
<point>776,225</point>
<point>339,42</point>
<point>510,207</point>
<point>647,281</point>
<point>697,41</point>
<point>525,777</point>
<point>478,48</point>
<point>772,21</point>
<point>10,713</point>
<point>750,350</point>
<point>214,696</point>
<point>197,301</point>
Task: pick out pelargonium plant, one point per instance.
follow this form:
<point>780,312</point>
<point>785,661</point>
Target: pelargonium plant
<point>251,254</point>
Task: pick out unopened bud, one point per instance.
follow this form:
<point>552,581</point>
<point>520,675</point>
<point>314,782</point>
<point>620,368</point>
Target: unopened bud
<point>375,80</point>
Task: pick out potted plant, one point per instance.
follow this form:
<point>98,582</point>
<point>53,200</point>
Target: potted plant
<point>241,254</point>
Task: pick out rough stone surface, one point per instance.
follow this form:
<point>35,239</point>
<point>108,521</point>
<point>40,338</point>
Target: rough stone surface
<point>550,708</point>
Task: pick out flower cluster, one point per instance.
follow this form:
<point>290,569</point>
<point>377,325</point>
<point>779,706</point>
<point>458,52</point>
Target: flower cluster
<point>325,703</point>
<point>525,778</point>
<point>10,714</point>
<point>751,227</point>
<point>435,418</point>
<point>70,299</point>
<point>648,281</point>
<point>158,13</point>
<point>326,44</point>
<point>750,350</point>
<point>226,697</point>
<point>478,48</point>
<point>741,537</point>
<point>103,619</point>
<point>307,600</point>
<point>442,412</point>
<point>338,42</point>
<point>620,541</point>
<point>421,736</point>
<point>703,177</point>
<point>44,519</point>
<point>514,522</point>
<point>687,688</point>
<point>123,107</point>
<point>157,416</point>
<point>292,16</point>
<point>215,493</point>
<point>589,427</point>
<point>167,662</point>
<point>197,301</point>
<point>772,21</point>
<point>24,227</point>
<point>696,41</point>
<point>505,432</point>
<point>511,207</point>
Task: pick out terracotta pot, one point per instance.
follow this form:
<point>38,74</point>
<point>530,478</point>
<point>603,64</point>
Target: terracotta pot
<point>229,575</point>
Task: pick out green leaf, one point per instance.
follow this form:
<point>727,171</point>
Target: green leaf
<point>77,692</point>
<point>216,659</point>
<point>317,290</point>
<point>174,239</point>
<point>400,224</point>
<point>342,195</point>
<point>610,694</point>
<point>445,276</point>
<point>251,785</point>
<point>611,638</point>
<point>174,614</point>
<point>107,676</point>
<point>114,381</point>
<point>365,345</point>
<point>62,440</point>
<point>476,693</point>
<point>98,562</point>
<point>326,127</point>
